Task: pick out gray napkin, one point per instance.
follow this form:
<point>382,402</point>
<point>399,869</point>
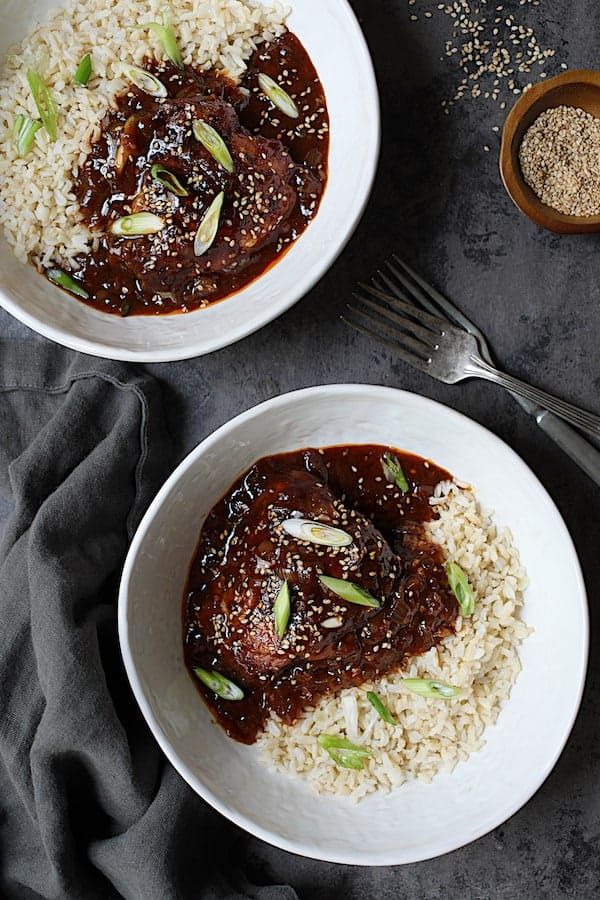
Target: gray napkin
<point>88,807</point>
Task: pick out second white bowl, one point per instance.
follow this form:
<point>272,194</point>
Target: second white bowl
<point>417,821</point>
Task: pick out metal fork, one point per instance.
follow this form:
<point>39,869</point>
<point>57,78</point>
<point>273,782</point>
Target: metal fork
<point>429,332</point>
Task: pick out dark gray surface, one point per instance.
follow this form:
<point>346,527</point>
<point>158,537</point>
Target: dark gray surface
<point>439,198</point>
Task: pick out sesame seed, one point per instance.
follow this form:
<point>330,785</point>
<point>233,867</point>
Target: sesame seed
<point>559,160</point>
<point>488,50</point>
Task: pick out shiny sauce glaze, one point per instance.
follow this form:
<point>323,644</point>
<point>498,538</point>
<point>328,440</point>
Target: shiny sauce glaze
<point>244,555</point>
<point>274,192</point>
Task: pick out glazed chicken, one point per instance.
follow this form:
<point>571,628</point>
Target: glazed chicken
<point>264,555</point>
<point>271,179</point>
<point>248,551</point>
<point>259,196</point>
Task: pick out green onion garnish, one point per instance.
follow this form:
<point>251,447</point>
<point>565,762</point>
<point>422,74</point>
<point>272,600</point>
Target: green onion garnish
<point>350,592</point>
<point>381,708</point>
<point>316,533</point>
<point>425,687</point>
<point>137,224</point>
<point>282,609</point>
<point>146,82</point>
<point>220,685</point>
<point>57,276</point>
<point>393,471</point>
<point>83,73</point>
<point>461,588</point>
<point>24,132</point>
<point>212,141</point>
<point>209,226</point>
<point>126,143</point>
<point>276,94</point>
<point>168,180</point>
<point>344,752</point>
<point>44,102</point>
<point>166,35</point>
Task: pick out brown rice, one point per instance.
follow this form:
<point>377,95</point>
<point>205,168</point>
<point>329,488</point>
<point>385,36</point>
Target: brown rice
<point>481,658</point>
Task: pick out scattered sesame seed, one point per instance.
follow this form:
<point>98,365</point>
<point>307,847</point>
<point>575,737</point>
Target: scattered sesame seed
<point>489,49</point>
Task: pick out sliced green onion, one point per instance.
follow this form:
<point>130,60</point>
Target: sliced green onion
<point>24,132</point>
<point>393,471</point>
<point>381,708</point>
<point>125,308</point>
<point>350,592</point>
<point>166,36</point>
<point>425,687</point>
<point>137,224</point>
<point>220,685</point>
<point>212,141</point>
<point>168,180</point>
<point>57,276</point>
<point>344,752</point>
<point>276,94</point>
<point>126,143</point>
<point>44,102</point>
<point>146,82</point>
<point>461,588</point>
<point>83,72</point>
<point>209,226</point>
<point>316,533</point>
<point>18,124</point>
<point>282,609</point>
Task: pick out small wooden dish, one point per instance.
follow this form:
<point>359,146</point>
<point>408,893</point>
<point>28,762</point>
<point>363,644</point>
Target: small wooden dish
<point>580,88</point>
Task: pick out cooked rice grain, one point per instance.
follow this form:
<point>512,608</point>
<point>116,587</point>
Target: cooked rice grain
<point>38,209</point>
<point>481,658</point>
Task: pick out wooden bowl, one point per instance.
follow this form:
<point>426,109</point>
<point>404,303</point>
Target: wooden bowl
<point>580,88</point>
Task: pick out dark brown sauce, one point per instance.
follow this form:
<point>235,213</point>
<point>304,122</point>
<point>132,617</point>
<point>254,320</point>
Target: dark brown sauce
<point>243,557</point>
<point>276,188</point>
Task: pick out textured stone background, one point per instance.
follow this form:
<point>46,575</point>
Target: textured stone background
<point>439,199</point>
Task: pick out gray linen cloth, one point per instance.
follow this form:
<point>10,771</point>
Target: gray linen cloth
<point>88,806</point>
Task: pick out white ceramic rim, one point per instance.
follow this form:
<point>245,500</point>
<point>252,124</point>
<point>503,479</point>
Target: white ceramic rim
<point>302,286</point>
<point>241,820</point>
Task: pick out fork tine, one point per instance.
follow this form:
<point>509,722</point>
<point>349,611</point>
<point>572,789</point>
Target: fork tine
<point>433,323</point>
<point>400,292</point>
<point>430,338</point>
<point>395,331</point>
<point>399,351</point>
<point>425,292</point>
<point>413,290</point>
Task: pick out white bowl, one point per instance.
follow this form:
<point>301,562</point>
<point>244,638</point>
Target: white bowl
<point>417,821</point>
<point>335,42</point>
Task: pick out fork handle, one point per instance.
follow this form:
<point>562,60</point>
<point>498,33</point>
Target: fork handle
<point>580,418</point>
<point>573,444</point>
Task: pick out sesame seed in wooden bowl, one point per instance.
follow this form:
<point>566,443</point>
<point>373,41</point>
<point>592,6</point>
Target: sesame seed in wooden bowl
<point>556,153</point>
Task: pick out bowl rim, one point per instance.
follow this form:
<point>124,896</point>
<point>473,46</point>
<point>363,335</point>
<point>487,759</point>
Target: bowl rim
<point>516,187</point>
<point>239,819</point>
<point>302,286</point>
